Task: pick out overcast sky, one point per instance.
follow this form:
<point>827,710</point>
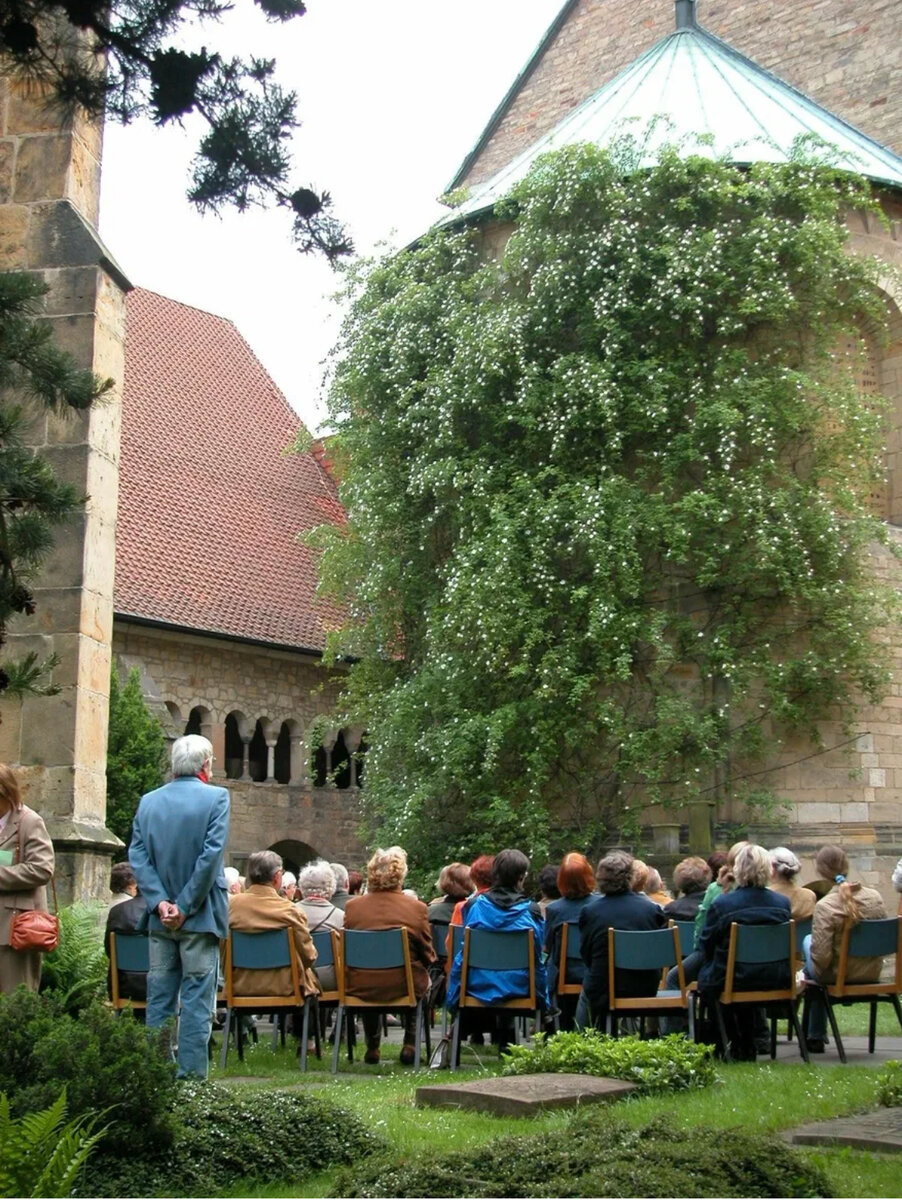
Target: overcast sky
<point>392,95</point>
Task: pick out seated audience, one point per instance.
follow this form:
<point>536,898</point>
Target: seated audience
<point>547,885</point>
<point>655,889</point>
<point>638,875</point>
<point>233,879</point>
<point>821,947</point>
<point>455,885</point>
<point>481,878</point>
<point>385,906</point>
<point>786,868</point>
<point>576,883</point>
<point>126,916</point>
<point>503,907</point>
<point>316,884</point>
<point>123,884</point>
<point>749,902</point>
<point>289,886</point>
<point>341,894</point>
<point>618,907</point>
<point>262,907</point>
<point>690,878</point>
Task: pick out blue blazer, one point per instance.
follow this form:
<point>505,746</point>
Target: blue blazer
<point>177,848</point>
<point>745,906</point>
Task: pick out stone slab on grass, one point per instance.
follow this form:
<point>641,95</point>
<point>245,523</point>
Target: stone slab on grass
<point>523,1095</point>
<point>880,1131</point>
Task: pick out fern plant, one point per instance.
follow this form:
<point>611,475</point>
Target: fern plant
<point>77,969</point>
<point>41,1154</point>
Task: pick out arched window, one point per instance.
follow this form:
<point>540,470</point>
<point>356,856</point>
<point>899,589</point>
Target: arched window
<point>257,755</point>
<point>341,763</point>
<point>234,748</point>
<point>193,724</point>
<point>282,770</point>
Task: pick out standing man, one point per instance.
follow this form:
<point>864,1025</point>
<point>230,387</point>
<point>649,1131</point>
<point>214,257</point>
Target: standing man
<point>177,847</point>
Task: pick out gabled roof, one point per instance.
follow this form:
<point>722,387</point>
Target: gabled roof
<point>691,87</point>
<point>209,507</point>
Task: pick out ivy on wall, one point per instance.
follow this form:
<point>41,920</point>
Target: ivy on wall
<point>607,498</point>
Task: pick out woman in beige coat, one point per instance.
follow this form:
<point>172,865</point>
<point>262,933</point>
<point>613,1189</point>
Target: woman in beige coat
<point>26,864</point>
<point>821,949</point>
<point>786,867</point>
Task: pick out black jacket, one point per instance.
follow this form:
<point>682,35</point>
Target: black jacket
<point>628,910</point>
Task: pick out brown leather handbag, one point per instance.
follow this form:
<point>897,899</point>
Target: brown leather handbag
<point>34,929</point>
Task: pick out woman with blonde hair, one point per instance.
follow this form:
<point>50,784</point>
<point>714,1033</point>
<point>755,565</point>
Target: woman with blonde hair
<point>844,900</point>
<point>385,906</point>
<point>26,865</point>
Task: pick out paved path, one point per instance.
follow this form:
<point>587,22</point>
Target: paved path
<point>880,1130</point>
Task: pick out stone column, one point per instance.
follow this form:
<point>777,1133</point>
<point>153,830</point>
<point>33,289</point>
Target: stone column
<point>300,760</point>
<point>352,744</point>
<point>49,195</point>
<point>328,743</point>
<point>270,758</point>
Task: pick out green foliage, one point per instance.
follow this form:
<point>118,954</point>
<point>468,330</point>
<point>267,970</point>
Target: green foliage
<point>889,1084</point>
<point>141,67</point>
<point>42,1154</point>
<point>104,1062</point>
<point>136,753</point>
<point>668,1064</point>
<point>223,1135</point>
<point>76,971</point>
<point>607,499</point>
<point>601,1156</point>
<point>34,375</point>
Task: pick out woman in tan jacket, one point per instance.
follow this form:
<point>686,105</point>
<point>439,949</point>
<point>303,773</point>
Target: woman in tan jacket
<point>821,949</point>
<point>785,867</point>
<point>26,864</point>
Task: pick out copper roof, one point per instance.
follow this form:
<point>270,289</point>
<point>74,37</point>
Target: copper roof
<point>209,506</point>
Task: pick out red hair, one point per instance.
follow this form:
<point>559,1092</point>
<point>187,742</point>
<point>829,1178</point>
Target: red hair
<point>481,870</point>
<point>575,878</point>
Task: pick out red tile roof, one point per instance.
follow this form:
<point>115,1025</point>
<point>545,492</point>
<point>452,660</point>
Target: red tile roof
<point>209,507</point>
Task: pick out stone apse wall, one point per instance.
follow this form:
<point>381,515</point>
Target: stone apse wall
<point>183,673</point>
<point>842,54</point>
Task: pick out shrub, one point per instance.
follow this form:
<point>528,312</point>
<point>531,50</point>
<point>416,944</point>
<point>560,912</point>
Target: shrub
<point>889,1084</point>
<point>104,1061</point>
<point>223,1136</point>
<point>600,1156</point>
<point>76,971</point>
<point>136,753</point>
<point>668,1064</point>
<point>41,1154</point>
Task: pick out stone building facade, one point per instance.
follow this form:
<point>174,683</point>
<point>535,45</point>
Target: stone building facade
<point>843,56</point>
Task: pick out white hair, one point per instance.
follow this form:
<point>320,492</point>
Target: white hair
<point>785,862</point>
<point>288,879</point>
<point>341,877</point>
<point>232,875</point>
<point>190,753</point>
<point>317,879</point>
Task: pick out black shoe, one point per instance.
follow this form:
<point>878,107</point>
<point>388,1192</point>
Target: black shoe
<point>816,1045</point>
<point>762,1045</point>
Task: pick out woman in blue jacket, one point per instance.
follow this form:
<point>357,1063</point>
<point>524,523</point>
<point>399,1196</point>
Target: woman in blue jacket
<point>503,907</point>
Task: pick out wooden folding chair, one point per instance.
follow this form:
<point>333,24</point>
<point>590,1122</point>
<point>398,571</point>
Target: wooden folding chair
<point>569,962</point>
<point>866,939</point>
<point>494,950</point>
<point>646,950</point>
<point>752,945</point>
<point>266,950</point>
<point>376,950</point>
<point>128,952</point>
<point>327,945</point>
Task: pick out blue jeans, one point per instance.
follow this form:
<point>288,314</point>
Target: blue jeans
<point>817,1009</point>
<point>184,965</point>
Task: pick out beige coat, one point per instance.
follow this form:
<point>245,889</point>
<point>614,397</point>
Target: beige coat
<point>826,935</point>
<point>22,887</point>
<point>801,899</point>
<point>261,907</point>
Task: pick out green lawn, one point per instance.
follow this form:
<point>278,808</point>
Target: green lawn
<point>760,1096</point>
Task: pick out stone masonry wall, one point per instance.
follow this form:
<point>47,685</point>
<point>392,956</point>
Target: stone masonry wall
<point>842,53</point>
<point>49,188</point>
<point>180,672</point>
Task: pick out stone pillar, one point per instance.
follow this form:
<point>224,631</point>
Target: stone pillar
<point>300,761</point>
<point>270,759</point>
<point>49,195</point>
<point>352,744</point>
<point>328,743</point>
<point>217,737</point>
